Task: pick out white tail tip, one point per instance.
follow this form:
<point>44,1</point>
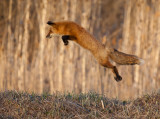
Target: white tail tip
<point>141,61</point>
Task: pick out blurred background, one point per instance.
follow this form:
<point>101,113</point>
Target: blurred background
<point>29,62</point>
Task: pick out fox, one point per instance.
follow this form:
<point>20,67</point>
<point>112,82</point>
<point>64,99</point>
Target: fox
<point>71,31</point>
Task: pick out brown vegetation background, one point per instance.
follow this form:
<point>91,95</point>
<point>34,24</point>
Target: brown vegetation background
<point>29,62</point>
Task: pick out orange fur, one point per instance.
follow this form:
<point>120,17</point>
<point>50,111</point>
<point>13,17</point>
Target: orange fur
<point>102,54</point>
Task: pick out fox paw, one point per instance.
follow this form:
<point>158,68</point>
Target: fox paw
<point>118,78</point>
<point>66,43</point>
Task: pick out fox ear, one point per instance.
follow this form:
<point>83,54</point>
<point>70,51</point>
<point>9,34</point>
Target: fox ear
<point>50,23</point>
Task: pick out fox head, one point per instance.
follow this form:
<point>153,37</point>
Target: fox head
<point>53,29</point>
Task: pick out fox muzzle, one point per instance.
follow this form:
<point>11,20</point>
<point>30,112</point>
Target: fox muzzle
<point>48,36</point>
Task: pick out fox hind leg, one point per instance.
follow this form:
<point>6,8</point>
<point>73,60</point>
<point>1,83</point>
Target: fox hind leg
<point>115,71</point>
<point>117,77</point>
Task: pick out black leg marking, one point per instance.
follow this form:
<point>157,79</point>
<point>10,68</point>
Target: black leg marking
<point>118,77</point>
<point>65,42</point>
<point>65,39</point>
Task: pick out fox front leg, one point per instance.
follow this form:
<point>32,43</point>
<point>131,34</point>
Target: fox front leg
<point>65,39</point>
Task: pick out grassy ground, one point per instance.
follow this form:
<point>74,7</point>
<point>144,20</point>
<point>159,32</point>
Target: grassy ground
<point>15,105</point>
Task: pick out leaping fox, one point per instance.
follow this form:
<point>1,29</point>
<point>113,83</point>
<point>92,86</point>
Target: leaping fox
<point>71,31</point>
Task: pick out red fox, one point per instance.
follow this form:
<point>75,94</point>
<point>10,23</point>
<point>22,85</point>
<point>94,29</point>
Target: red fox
<point>70,31</point>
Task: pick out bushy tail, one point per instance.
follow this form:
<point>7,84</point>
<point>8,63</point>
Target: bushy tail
<point>125,59</point>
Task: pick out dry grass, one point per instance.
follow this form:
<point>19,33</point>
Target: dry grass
<point>91,105</point>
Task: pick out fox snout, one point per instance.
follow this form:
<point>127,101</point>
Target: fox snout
<point>48,36</point>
